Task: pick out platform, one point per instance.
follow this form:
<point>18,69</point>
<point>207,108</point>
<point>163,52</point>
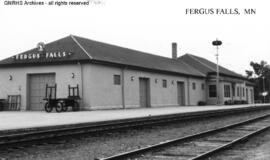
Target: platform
<point>11,120</point>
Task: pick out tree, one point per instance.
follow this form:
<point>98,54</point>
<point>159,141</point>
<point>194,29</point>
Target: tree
<point>249,74</point>
<point>260,76</point>
<point>261,69</point>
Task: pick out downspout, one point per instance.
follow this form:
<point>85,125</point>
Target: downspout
<point>233,91</point>
<point>240,91</point>
<point>81,72</point>
<point>245,98</point>
<point>123,88</point>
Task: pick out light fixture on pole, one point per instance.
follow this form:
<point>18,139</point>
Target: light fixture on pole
<point>217,43</point>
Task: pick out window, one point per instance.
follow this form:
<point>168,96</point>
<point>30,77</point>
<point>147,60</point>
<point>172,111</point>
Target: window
<point>212,91</point>
<point>227,91</point>
<point>164,83</point>
<point>193,85</point>
<point>243,92</point>
<point>233,90</point>
<point>238,91</point>
<point>202,86</point>
<point>251,96</point>
<point>117,79</point>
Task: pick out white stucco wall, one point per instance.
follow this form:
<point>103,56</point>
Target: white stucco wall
<point>18,84</point>
<point>249,97</point>
<point>97,87</point>
<point>222,98</point>
<point>197,94</point>
<point>101,93</point>
<point>159,96</point>
<point>236,97</point>
<point>222,94</point>
<point>210,100</point>
<point>240,96</point>
<point>250,94</point>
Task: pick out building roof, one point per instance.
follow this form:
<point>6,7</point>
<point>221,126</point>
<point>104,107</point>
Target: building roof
<point>65,44</point>
<point>82,49</point>
<point>207,67</point>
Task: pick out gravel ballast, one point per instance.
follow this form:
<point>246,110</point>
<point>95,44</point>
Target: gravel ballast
<point>256,148</point>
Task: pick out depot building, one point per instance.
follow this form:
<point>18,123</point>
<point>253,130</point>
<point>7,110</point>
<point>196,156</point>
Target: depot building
<point>110,77</point>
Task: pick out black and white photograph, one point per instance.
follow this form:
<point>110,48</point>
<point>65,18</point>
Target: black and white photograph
<point>134,80</point>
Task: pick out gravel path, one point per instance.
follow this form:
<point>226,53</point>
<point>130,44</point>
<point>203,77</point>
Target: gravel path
<point>105,144</point>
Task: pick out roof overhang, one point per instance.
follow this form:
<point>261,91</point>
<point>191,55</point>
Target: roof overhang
<point>99,62</point>
<point>226,75</point>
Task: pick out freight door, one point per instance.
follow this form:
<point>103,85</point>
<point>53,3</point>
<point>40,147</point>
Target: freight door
<point>37,86</point>
<point>144,92</point>
<point>181,93</point>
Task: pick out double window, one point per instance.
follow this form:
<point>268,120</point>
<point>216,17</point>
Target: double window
<point>227,91</point>
<point>233,90</point>
<point>212,91</point>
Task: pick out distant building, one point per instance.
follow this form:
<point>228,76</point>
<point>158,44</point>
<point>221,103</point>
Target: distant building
<point>110,76</point>
<point>232,86</point>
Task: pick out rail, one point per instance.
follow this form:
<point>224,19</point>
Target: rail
<point>152,148</point>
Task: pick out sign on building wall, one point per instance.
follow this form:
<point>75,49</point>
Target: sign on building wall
<point>42,54</point>
<point>46,55</point>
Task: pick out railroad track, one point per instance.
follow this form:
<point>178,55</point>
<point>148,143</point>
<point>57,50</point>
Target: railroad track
<point>30,135</point>
<point>198,146</point>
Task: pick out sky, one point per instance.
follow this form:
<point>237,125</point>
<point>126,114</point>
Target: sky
<point>146,25</point>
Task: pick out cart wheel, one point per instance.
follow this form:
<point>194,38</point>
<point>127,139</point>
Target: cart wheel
<point>47,107</point>
<point>64,107</point>
<point>75,106</point>
<point>58,107</point>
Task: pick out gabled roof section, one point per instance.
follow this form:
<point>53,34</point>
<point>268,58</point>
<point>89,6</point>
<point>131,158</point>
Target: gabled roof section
<point>75,40</point>
<point>73,49</point>
<point>205,66</point>
<point>124,56</point>
<point>62,50</point>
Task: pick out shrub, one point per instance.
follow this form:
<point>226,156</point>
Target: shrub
<point>201,103</point>
<point>229,102</point>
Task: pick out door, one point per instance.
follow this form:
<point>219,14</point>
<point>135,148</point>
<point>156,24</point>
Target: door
<point>37,87</point>
<point>144,92</point>
<point>181,93</point>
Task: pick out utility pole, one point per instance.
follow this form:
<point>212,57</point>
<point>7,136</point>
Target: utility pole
<point>217,43</point>
<point>263,90</point>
